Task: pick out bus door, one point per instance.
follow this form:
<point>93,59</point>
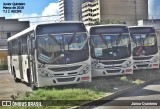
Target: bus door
<point>31,58</point>
<point>20,58</point>
<point>10,55</point>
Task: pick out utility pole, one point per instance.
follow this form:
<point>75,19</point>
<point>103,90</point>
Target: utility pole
<point>80,16</point>
<point>152,20</point>
<point>135,3</point>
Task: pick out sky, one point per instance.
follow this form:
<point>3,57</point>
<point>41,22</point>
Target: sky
<point>154,9</point>
<point>32,8</point>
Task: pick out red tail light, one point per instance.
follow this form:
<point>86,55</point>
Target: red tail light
<point>154,65</point>
<point>128,70</point>
<point>85,78</point>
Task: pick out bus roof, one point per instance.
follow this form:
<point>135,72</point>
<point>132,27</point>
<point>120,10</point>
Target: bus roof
<point>140,26</point>
<point>21,33</point>
<point>141,29</point>
<point>60,22</point>
<point>34,27</point>
<point>108,25</point>
<point>105,25</point>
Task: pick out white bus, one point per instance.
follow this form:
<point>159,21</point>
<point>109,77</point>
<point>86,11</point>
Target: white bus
<point>50,54</point>
<point>110,50</point>
<point>145,47</point>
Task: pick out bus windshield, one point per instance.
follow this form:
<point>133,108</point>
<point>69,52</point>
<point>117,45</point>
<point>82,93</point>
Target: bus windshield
<point>62,48</point>
<point>144,44</point>
<point>110,46</point>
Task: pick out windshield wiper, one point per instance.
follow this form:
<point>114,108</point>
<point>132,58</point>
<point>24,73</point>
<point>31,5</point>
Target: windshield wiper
<point>119,38</point>
<point>71,40</point>
<point>55,40</point>
<point>53,60</point>
<point>113,54</point>
<point>132,35</point>
<point>104,41</point>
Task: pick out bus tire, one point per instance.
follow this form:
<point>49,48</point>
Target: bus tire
<point>33,87</point>
<point>31,84</point>
<point>14,75</point>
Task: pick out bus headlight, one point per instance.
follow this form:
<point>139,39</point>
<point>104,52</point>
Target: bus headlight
<point>127,64</point>
<point>85,70</point>
<point>98,66</point>
<point>44,73</point>
<point>155,59</point>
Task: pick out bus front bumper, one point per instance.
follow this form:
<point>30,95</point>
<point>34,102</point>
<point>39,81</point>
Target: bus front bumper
<point>145,66</point>
<point>111,72</point>
<point>54,81</point>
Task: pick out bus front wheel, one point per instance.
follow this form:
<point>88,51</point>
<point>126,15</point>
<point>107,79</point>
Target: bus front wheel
<point>33,87</point>
<point>15,78</point>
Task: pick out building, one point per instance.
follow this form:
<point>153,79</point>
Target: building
<point>90,12</point>
<point>71,10</point>
<point>9,27</point>
<point>152,22</point>
<point>128,11</point>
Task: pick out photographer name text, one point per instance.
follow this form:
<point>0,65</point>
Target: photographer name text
<point>144,104</point>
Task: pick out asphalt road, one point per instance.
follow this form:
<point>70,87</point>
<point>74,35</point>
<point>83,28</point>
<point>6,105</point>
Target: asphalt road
<point>8,87</point>
<point>150,92</point>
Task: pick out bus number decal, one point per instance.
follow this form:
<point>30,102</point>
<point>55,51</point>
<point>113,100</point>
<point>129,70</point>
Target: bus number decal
<point>98,52</point>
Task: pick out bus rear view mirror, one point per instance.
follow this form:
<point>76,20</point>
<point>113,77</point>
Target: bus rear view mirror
<point>34,44</point>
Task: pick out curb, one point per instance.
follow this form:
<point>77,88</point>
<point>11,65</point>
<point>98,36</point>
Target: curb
<point>115,95</point>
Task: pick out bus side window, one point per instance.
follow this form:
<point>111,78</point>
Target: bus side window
<point>14,47</point>
<point>29,44</point>
<point>19,46</point>
<point>24,44</point>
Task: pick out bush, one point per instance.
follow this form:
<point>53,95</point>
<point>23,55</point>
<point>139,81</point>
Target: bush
<point>123,78</point>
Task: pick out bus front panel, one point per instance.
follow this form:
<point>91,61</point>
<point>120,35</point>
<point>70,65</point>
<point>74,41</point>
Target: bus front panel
<point>144,48</point>
<point>110,50</point>
<point>62,54</point>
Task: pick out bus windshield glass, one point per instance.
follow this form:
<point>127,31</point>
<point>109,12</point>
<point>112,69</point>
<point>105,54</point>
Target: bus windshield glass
<point>62,48</point>
<point>110,46</point>
<point>144,44</point>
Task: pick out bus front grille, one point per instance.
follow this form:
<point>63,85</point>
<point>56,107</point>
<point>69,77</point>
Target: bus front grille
<point>65,68</point>
<point>113,62</point>
<point>65,79</point>
<point>73,73</point>
<point>142,58</point>
<point>144,65</point>
<point>61,74</point>
<point>113,71</point>
<point>114,66</point>
<point>142,61</point>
